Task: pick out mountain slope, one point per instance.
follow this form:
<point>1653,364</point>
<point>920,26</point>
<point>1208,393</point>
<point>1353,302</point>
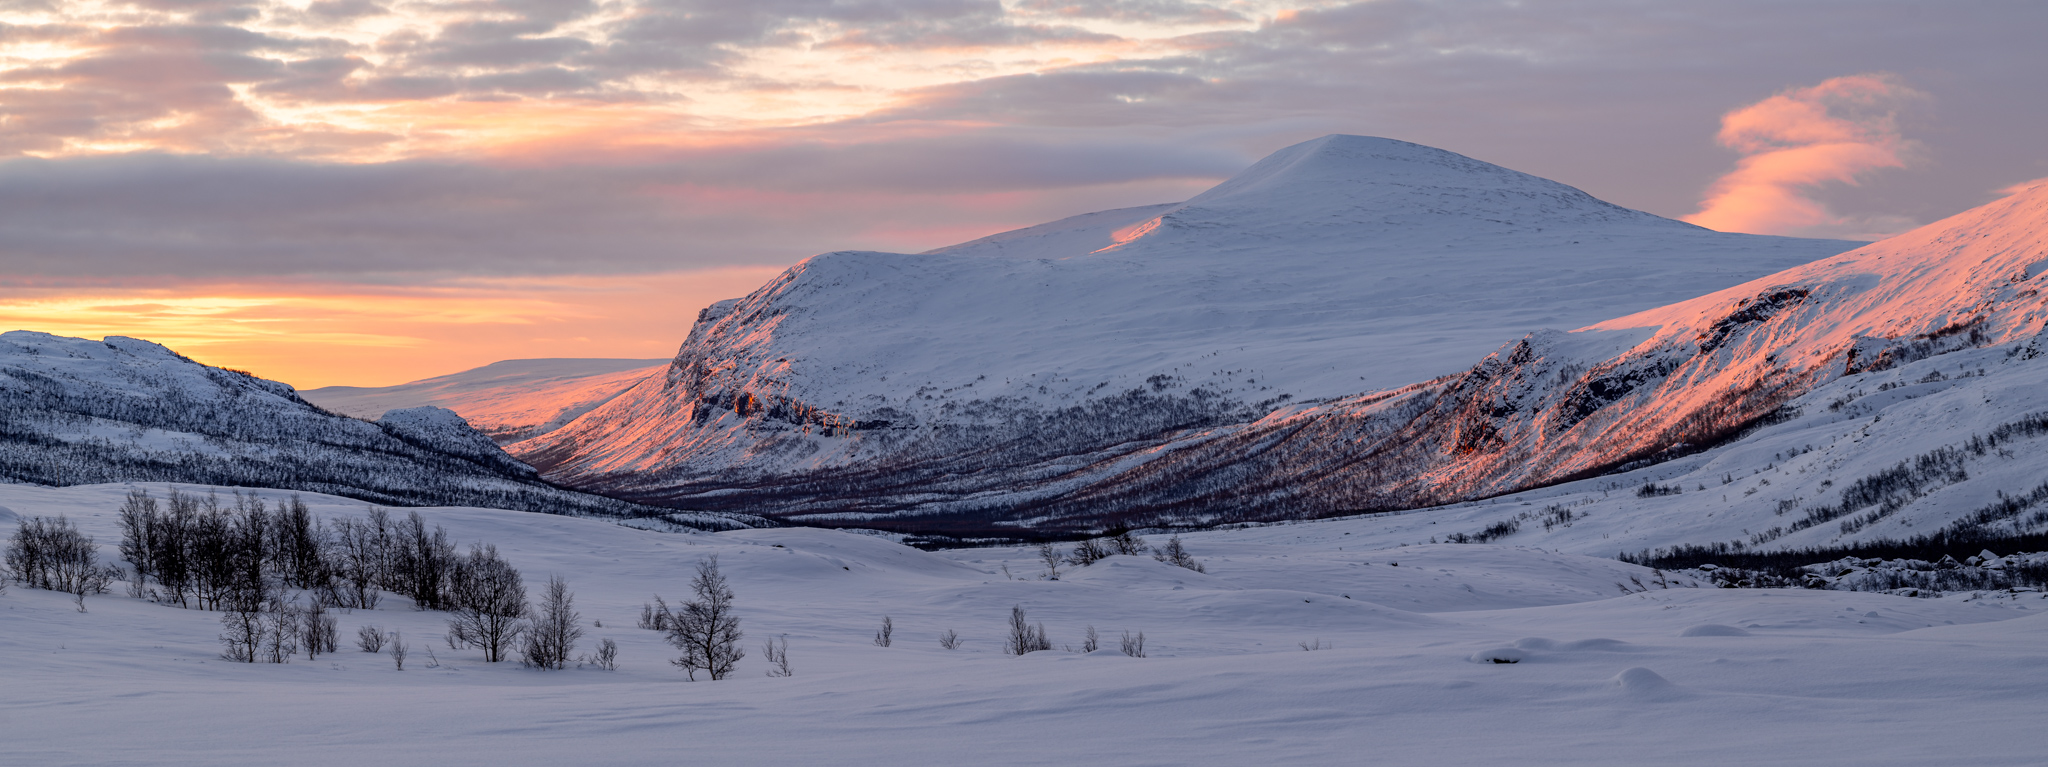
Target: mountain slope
<point>1641,388</point>
<point>507,401</point>
<point>74,412</point>
<point>1340,265</point>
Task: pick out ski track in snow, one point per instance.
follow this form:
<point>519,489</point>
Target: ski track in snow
<point>1821,677</point>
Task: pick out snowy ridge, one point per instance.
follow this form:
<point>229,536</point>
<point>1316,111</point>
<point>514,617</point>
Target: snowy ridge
<point>1342,265</point>
<point>507,401</point>
<point>74,411</point>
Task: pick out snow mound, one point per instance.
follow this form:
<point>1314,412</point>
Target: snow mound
<point>1714,630</point>
<point>1644,683</point>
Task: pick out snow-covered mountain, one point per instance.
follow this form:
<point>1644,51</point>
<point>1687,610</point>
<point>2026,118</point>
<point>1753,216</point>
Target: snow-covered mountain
<point>884,382</point>
<point>1817,348</point>
<point>507,401</point>
<point>75,411</point>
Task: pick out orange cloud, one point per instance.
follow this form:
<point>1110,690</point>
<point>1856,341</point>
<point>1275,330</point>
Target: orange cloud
<point>312,334</point>
<point>1798,140</point>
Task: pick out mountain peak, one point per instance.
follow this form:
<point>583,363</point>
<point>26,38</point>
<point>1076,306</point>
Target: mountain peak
<point>1386,188</point>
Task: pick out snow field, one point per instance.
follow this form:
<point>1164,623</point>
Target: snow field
<point>1819,677</point>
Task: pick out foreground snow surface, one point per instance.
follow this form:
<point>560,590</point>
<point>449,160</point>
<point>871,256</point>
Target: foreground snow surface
<point>1671,676</point>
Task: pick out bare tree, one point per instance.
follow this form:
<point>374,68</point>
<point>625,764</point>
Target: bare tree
<point>706,629</point>
<point>556,627</point>
<point>1091,642</point>
<point>488,603</point>
<point>241,634</point>
<point>1088,552</point>
<point>370,639</point>
<point>281,632</point>
<point>1173,553</point>
<point>398,650</point>
<point>1051,557</point>
<point>883,637</point>
<point>318,630</point>
<point>1123,541</point>
<point>1025,638</point>
<point>777,653</point>
<point>1134,646</point>
<point>52,554</point>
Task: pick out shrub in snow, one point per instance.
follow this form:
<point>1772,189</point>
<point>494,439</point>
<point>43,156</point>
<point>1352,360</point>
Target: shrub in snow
<point>52,554</point>
<point>318,631</point>
<point>1087,552</point>
<point>606,657</point>
<point>398,651</point>
<point>1090,642</point>
<point>1134,646</point>
<point>950,640</point>
<point>489,603</point>
<point>1051,557</point>
<point>555,628</point>
<point>1123,541</point>
<point>656,616</point>
<point>370,639</point>
<point>706,629</point>
<point>777,653</point>
<point>1024,637</point>
<point>882,638</point>
<point>1173,553</point>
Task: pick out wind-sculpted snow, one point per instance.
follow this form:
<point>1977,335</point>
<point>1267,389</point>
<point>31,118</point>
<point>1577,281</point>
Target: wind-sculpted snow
<point>987,373</point>
<point>74,411</point>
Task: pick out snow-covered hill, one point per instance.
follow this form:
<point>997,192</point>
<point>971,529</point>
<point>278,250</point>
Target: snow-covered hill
<point>1665,676</point>
<point>1952,312</point>
<point>1341,265</point>
<point>507,401</point>
<point>74,411</point>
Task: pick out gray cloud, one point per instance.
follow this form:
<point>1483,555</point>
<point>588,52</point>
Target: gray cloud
<point>198,216</point>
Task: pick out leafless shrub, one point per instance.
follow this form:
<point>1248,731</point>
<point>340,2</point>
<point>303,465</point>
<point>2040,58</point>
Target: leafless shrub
<point>606,657</point>
<point>398,650</point>
<point>1123,541</point>
<point>1024,637</point>
<point>883,637</point>
<point>555,629</point>
<point>52,554</point>
<point>777,653</point>
<point>1134,646</point>
<point>318,631</point>
<point>950,640</point>
<point>655,617</point>
<point>1090,642</point>
<point>1088,552</point>
<point>1173,553</point>
<point>1051,557</point>
<point>370,639</point>
<point>1317,645</point>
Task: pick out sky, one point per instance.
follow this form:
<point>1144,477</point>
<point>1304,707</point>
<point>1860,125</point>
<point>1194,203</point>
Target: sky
<point>369,192</point>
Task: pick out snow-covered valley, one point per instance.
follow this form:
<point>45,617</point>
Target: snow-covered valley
<point>1676,675</point>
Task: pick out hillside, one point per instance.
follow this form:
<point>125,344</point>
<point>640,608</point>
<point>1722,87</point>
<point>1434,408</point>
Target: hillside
<point>508,401</point>
<point>1337,266</point>
<point>74,411</point>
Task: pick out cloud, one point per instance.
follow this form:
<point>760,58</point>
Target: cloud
<point>1798,140</point>
<point>765,202</point>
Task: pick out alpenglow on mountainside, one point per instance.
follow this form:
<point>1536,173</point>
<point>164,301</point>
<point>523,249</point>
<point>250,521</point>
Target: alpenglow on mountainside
<point>862,386</point>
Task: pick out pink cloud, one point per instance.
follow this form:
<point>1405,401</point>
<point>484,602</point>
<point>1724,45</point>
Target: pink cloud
<point>1799,140</point>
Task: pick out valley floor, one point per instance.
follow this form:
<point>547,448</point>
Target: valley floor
<point>1779,677</point>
